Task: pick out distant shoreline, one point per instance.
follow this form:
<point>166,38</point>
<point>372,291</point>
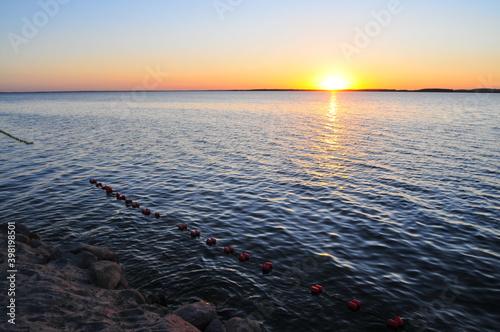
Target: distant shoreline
<point>479,90</point>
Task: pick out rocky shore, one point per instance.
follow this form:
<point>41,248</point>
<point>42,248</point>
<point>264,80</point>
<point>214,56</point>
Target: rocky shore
<point>80,287</point>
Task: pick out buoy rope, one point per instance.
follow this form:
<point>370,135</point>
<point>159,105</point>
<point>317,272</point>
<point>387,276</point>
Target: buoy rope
<point>396,323</point>
<point>14,137</point>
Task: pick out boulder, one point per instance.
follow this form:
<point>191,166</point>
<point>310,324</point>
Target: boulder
<point>133,294</point>
<point>157,298</point>
<point>199,314</point>
<point>215,326</point>
<point>105,274</point>
<point>237,324</point>
<point>102,254</point>
<point>173,323</point>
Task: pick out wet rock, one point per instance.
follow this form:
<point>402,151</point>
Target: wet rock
<point>84,259</point>
<point>132,294</point>
<point>105,274</point>
<point>35,236</point>
<point>21,229</point>
<point>174,323</point>
<point>35,243</point>
<point>102,254</point>
<point>157,298</point>
<point>237,324</point>
<point>215,326</point>
<point>199,314</point>
<point>22,238</point>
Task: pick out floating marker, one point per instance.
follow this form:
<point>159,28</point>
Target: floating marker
<point>316,289</point>
<point>211,241</point>
<point>93,181</point>
<point>98,184</point>
<point>267,267</point>
<point>123,197</point>
<point>354,305</point>
<point>109,190</point>
<point>182,227</point>
<point>128,201</point>
<point>118,196</point>
<point>229,250</point>
<point>136,205</point>
<point>244,257</point>
<point>146,212</point>
<point>157,215</point>
<point>395,323</point>
<point>195,234</point>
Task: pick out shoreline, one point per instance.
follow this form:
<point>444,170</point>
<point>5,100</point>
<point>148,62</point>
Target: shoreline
<point>81,287</point>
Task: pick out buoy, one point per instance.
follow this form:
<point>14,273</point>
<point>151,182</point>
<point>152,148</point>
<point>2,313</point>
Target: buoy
<point>93,181</point>
<point>195,234</point>
<point>118,196</point>
<point>146,212</point>
<point>128,201</point>
<point>395,323</point>
<point>354,305</point>
<point>136,205</point>
<point>109,190</point>
<point>123,197</point>
<point>211,241</point>
<point>229,250</point>
<point>98,184</point>
<point>266,268</point>
<point>316,289</point>
<point>157,215</point>
<point>244,257</point>
<point>182,227</point>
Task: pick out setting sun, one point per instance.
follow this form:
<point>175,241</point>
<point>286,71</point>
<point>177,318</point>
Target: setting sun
<point>334,83</point>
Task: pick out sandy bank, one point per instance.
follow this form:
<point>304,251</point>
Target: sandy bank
<point>79,287</point>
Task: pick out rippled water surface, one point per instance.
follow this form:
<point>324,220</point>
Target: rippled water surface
<point>390,198</point>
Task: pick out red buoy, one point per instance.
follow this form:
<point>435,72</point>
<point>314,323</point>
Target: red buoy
<point>316,289</point>
<point>354,305</point>
<point>247,256</point>
<point>229,250</point>
<point>242,258</point>
<point>128,201</point>
<point>182,227</point>
<point>146,212</point>
<point>395,323</point>
<point>123,197</point>
<point>93,181</point>
<point>211,241</point>
<point>98,184</point>
<point>136,205</point>
<point>266,268</point>
<point>109,190</point>
<point>195,234</point>
<point>118,196</point>
<point>157,215</point>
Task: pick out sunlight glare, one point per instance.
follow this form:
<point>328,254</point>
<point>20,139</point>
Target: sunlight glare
<point>334,83</point>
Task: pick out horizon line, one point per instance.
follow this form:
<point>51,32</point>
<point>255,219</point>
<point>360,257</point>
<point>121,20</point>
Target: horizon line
<point>476,90</point>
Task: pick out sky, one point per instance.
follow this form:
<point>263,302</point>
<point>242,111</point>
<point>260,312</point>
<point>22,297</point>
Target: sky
<point>81,45</point>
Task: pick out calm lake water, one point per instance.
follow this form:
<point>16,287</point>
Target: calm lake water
<point>389,198</point>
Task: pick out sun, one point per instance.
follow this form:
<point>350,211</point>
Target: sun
<point>334,83</point>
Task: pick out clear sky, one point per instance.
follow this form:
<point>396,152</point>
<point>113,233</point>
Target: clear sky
<point>54,45</point>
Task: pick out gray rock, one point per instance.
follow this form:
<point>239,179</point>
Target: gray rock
<point>102,254</point>
<point>157,298</point>
<point>84,259</point>
<point>174,323</point>
<point>199,314</point>
<point>215,326</point>
<point>105,274</point>
<point>22,238</point>
<point>237,324</point>
<point>132,294</point>
<point>35,243</point>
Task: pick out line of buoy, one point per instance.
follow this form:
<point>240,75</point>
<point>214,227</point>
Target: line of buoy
<point>16,138</point>
<point>396,323</point>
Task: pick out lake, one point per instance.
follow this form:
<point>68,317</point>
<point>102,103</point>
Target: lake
<point>391,198</point>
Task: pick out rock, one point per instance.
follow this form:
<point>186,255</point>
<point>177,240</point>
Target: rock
<point>35,243</point>
<point>173,323</point>
<point>105,274</point>
<point>132,294</point>
<point>157,298</point>
<point>237,324</point>
<point>84,259</point>
<point>102,254</point>
<point>123,284</point>
<point>215,326</point>
<point>21,229</point>
<point>22,238</point>
<point>199,314</point>
<point>35,236</point>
